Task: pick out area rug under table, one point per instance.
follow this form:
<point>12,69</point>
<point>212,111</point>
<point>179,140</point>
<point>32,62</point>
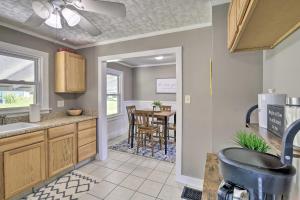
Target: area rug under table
<point>70,186</point>
<point>147,152</point>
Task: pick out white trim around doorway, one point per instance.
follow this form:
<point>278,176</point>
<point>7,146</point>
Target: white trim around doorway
<point>102,122</point>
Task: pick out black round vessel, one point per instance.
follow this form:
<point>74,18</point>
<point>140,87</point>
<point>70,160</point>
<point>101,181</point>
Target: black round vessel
<point>261,174</point>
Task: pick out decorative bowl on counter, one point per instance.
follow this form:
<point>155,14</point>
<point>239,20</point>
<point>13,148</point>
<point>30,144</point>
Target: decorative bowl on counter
<point>74,112</point>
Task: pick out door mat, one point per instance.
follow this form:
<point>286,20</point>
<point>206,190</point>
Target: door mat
<point>70,186</point>
<point>191,194</point>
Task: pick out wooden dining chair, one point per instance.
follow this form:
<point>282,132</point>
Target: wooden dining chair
<point>165,108</point>
<point>159,121</point>
<point>171,126</point>
<point>130,110</point>
<point>146,131</point>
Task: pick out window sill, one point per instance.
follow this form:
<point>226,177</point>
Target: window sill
<point>114,117</point>
<point>15,112</point>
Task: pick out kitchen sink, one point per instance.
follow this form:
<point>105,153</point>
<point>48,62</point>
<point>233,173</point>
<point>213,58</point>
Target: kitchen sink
<point>252,169</point>
<point>16,127</point>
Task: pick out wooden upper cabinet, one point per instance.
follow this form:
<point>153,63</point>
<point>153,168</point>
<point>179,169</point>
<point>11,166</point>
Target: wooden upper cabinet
<point>241,9</point>
<point>70,73</point>
<point>232,23</point>
<point>261,24</point>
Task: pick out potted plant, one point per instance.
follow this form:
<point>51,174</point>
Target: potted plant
<point>156,105</point>
<point>251,141</point>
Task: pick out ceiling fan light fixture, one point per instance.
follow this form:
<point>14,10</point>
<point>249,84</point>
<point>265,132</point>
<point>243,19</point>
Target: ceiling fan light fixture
<point>54,21</point>
<point>42,9</point>
<point>72,17</point>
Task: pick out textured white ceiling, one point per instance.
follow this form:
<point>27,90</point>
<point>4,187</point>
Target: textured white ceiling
<point>149,61</point>
<point>143,16</point>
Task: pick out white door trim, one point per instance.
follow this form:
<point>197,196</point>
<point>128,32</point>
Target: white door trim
<point>102,122</point>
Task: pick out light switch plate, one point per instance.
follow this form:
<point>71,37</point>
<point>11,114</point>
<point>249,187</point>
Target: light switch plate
<point>60,103</point>
<point>187,99</point>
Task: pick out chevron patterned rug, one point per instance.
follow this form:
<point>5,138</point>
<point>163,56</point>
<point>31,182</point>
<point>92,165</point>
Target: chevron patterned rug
<point>69,187</point>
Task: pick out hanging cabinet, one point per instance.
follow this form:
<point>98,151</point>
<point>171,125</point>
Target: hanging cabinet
<point>261,24</point>
<point>70,73</point>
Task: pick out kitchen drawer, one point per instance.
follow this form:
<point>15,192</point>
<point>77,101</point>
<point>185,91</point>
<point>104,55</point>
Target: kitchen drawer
<point>21,140</point>
<point>61,131</point>
<point>87,124</point>
<point>86,136</point>
<point>86,151</point>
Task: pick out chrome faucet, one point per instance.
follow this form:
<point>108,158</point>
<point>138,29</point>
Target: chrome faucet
<point>2,119</point>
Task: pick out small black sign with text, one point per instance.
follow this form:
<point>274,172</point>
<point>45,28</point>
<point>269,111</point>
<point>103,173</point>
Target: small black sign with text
<point>276,119</point>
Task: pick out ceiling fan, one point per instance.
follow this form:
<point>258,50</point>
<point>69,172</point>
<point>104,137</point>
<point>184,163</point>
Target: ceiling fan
<point>51,13</point>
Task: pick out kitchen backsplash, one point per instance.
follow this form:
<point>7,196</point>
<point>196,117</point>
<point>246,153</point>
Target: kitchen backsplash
<point>51,115</point>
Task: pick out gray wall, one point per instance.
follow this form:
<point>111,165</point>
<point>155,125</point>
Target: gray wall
<point>22,39</point>
<point>140,83</point>
<point>208,122</point>
<point>196,116</point>
<point>281,70</point>
<point>282,66</point>
<point>127,79</point>
<point>144,82</point>
<point>237,81</point>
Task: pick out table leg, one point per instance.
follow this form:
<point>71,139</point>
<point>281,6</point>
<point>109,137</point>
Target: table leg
<point>175,118</point>
<point>165,134</point>
<point>175,127</point>
<point>132,129</point>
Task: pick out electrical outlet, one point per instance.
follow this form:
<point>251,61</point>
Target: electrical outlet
<point>60,103</point>
<point>187,99</point>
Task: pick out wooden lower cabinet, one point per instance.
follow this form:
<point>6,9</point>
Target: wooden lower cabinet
<point>31,158</point>
<point>87,134</point>
<point>22,163</point>
<point>86,151</point>
<point>24,167</point>
<point>61,154</point>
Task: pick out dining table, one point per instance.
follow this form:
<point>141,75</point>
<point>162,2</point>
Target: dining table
<point>165,115</point>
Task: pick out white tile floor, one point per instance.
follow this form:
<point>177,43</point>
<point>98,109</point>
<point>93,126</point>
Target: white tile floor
<point>129,177</point>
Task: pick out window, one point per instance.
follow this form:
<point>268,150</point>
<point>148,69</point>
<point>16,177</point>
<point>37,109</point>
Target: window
<point>18,81</point>
<point>113,92</point>
<point>23,78</point>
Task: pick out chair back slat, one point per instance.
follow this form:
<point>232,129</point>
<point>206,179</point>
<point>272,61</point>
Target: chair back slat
<point>143,118</point>
<point>130,110</point>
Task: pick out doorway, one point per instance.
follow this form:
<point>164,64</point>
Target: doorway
<point>102,99</point>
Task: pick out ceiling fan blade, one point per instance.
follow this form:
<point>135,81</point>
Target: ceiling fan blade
<point>104,7</point>
<point>34,20</point>
<point>88,26</point>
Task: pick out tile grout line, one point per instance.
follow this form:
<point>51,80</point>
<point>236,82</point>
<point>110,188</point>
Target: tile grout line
<point>123,162</point>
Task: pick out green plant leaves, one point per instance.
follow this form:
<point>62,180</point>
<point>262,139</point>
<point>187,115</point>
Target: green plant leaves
<point>156,103</point>
<point>251,141</point>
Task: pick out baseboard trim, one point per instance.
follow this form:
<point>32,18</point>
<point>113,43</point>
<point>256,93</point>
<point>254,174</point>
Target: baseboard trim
<point>192,182</point>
